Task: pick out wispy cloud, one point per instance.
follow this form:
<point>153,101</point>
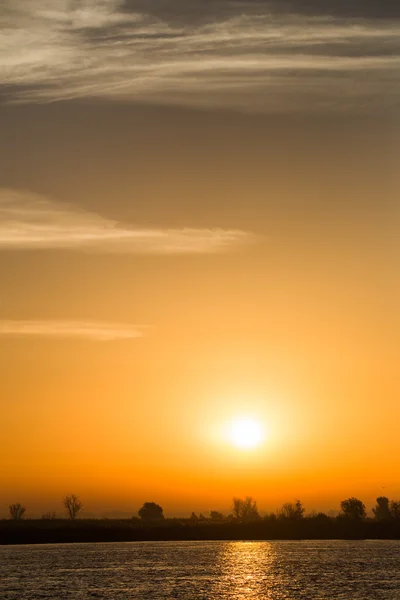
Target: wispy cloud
<point>250,57</point>
<point>101,332</point>
<point>29,221</point>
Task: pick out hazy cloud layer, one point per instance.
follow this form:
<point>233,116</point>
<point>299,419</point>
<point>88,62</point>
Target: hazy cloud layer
<point>29,221</point>
<point>195,10</point>
<point>102,332</point>
<point>359,8</point>
<point>250,55</point>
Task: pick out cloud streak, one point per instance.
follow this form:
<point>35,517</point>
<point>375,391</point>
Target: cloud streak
<point>246,56</point>
<point>100,332</point>
<point>29,221</point>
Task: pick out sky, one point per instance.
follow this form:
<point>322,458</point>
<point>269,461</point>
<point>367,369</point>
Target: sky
<point>198,223</point>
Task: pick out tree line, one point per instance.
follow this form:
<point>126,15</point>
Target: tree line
<point>243,510</point>
<point>71,503</point>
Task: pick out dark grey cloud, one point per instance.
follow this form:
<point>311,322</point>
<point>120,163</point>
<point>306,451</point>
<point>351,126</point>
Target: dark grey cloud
<point>192,10</point>
<point>236,54</point>
<point>344,8</point>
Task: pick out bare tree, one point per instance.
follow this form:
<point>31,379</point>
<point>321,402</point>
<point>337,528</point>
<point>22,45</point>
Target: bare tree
<point>245,510</point>
<point>16,511</point>
<point>49,516</point>
<point>237,508</point>
<point>290,510</point>
<point>73,505</point>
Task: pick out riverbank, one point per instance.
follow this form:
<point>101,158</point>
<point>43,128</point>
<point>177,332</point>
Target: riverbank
<point>110,530</point>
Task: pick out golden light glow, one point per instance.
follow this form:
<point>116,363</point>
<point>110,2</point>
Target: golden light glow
<point>245,432</point>
<point>295,332</point>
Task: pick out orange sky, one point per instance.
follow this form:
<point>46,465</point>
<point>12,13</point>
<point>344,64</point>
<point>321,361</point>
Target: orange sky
<point>164,269</point>
<point>298,327</point>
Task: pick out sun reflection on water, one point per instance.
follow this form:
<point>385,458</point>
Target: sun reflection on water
<point>245,570</point>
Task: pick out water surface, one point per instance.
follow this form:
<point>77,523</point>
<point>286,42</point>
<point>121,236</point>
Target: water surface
<point>338,570</point>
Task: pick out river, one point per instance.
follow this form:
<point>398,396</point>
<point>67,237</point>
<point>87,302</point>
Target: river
<point>309,570</point>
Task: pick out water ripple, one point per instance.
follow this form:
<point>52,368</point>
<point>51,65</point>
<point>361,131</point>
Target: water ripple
<point>323,570</point>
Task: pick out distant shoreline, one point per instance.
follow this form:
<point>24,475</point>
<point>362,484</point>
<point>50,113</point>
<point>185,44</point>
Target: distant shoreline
<point>60,531</point>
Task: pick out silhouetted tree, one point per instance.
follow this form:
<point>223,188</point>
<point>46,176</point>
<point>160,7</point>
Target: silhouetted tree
<point>73,505</point>
<point>299,510</point>
<point>381,510</point>
<point>237,504</point>
<point>216,516</point>
<point>135,519</point>
<point>332,513</point>
<point>151,511</point>
<point>322,516</point>
<point>49,516</point>
<point>395,509</point>
<point>16,511</point>
<point>270,517</point>
<point>245,510</point>
<point>194,517</point>
<point>292,510</point>
<point>202,517</point>
<point>353,508</point>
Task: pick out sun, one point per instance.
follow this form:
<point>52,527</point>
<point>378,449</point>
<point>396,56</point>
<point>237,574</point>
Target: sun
<point>245,432</point>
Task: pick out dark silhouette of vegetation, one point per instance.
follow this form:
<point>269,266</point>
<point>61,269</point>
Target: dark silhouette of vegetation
<point>216,516</point>
<point>245,510</point>
<point>395,509</point>
<point>292,510</point>
<point>73,505</point>
<point>49,516</point>
<point>353,508</point>
<point>381,510</point>
<point>16,511</point>
<point>151,511</point>
<point>289,523</point>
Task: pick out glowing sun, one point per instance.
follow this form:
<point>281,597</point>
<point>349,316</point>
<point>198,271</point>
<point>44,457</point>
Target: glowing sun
<point>245,433</point>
